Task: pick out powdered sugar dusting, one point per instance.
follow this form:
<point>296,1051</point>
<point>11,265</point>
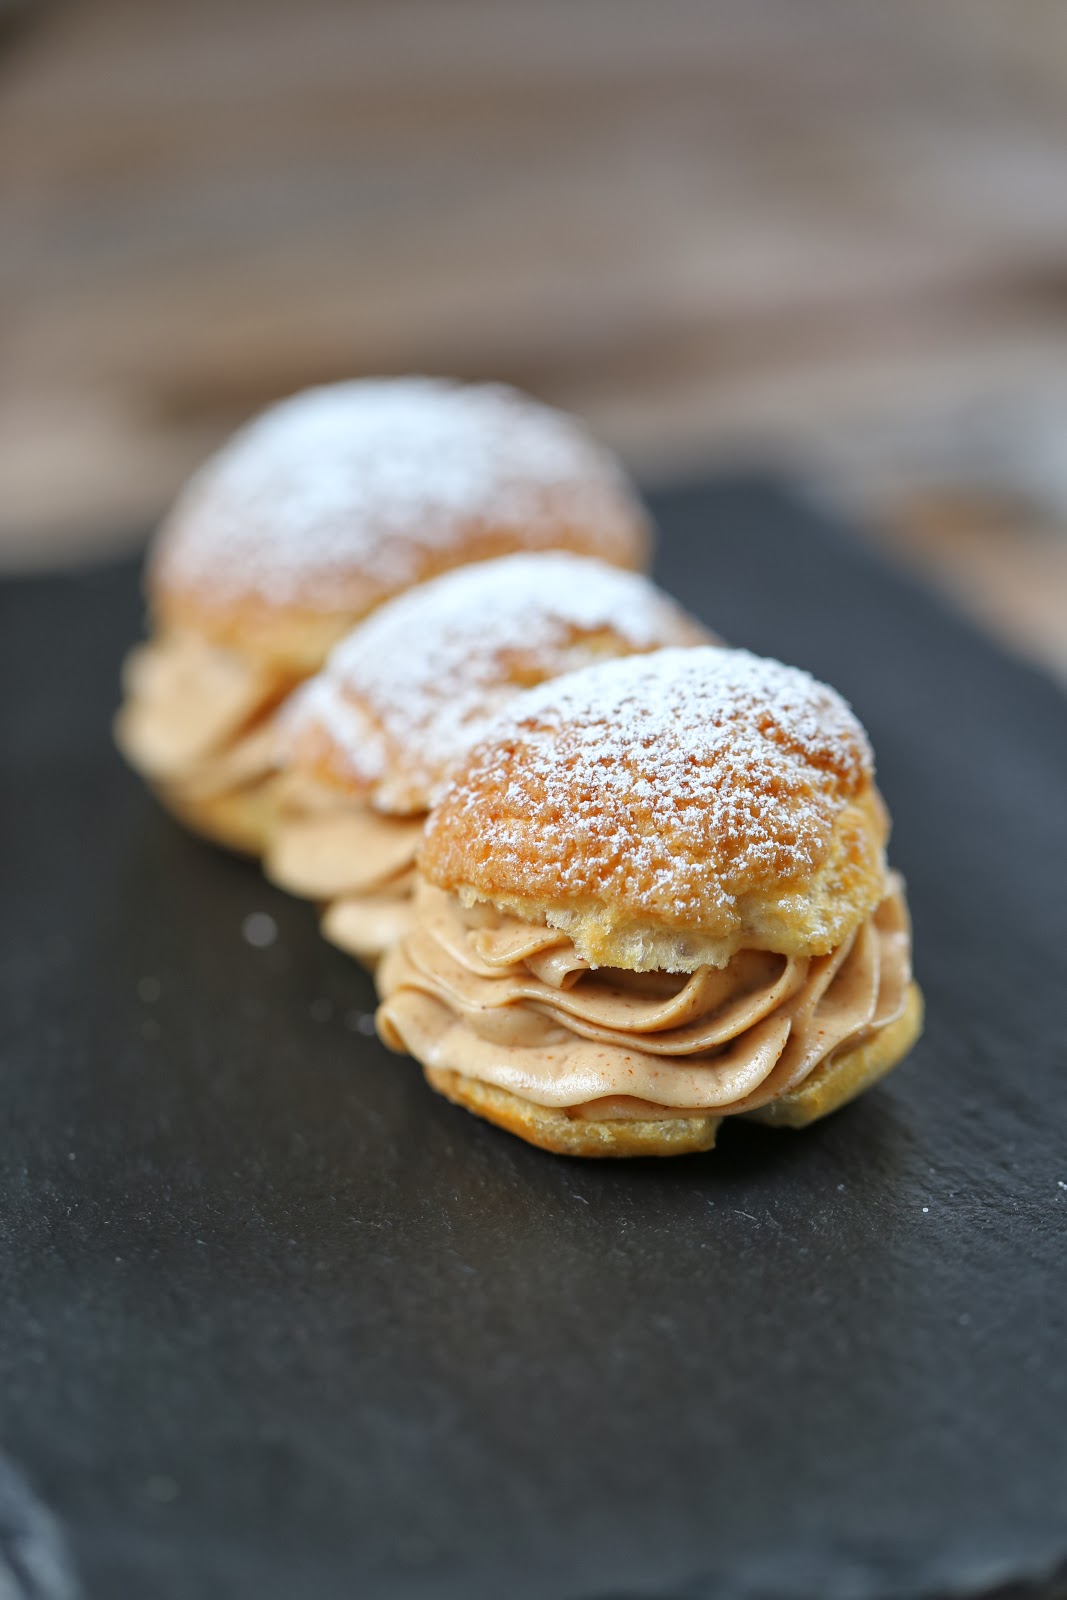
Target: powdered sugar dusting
<point>670,782</point>
<point>420,680</point>
<point>380,478</point>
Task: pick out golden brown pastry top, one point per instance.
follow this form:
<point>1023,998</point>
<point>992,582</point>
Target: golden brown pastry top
<point>414,685</point>
<point>341,496</point>
<point>668,810</point>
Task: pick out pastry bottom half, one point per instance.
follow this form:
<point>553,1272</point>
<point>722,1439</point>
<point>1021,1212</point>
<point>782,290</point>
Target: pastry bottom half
<point>555,1130</point>
<point>832,1085</point>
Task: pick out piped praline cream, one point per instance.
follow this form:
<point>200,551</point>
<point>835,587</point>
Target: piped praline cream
<point>475,991</point>
<point>199,722</point>
<point>359,864</point>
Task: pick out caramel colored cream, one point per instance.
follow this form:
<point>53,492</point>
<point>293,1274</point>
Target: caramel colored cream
<point>196,717</point>
<point>330,848</point>
<point>477,992</point>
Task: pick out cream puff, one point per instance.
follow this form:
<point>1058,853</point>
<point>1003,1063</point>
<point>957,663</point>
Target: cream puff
<point>371,739</point>
<point>312,515</point>
<point>655,895</point>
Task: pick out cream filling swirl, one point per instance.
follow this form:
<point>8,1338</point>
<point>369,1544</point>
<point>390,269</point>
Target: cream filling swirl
<point>198,719</point>
<point>480,993</point>
<point>330,848</point>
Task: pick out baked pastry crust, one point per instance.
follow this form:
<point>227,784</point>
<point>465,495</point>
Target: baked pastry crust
<point>667,811</point>
<point>413,686</point>
<point>333,500</point>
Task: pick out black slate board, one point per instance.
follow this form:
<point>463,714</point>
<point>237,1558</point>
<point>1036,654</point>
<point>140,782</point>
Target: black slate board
<point>279,1323</point>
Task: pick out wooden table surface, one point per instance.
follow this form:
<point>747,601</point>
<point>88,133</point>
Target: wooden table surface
<point>818,234</point>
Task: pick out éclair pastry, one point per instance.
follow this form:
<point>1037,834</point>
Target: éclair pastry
<point>370,739</point>
<point>311,516</point>
<point>655,896</point>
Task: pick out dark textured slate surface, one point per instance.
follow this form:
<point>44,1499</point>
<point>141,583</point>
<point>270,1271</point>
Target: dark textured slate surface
<point>279,1323</point>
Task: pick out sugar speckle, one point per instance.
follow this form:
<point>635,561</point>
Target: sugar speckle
<point>384,476</point>
<point>667,781</point>
<point>421,680</point>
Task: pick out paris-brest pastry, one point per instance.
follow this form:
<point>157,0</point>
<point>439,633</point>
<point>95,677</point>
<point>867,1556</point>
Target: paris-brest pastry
<point>314,513</point>
<point>370,739</point>
<point>653,897</point>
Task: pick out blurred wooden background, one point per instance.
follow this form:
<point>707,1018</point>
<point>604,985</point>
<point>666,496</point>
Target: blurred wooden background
<point>829,235</point>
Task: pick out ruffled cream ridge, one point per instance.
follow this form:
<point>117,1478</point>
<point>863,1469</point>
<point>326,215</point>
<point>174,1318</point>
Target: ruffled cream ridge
<point>197,719</point>
<point>329,848</point>
<point>475,991</point>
